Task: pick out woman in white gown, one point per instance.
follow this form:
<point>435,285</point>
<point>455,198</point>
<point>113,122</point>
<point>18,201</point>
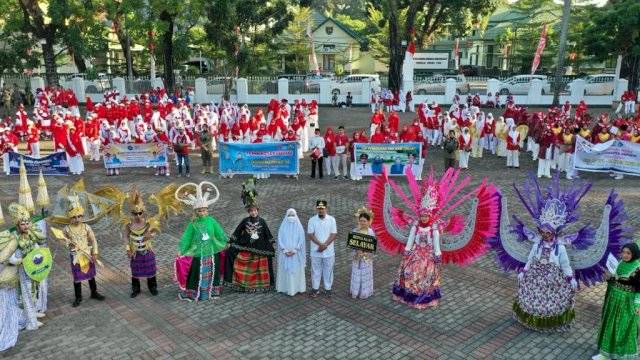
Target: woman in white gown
<point>291,255</point>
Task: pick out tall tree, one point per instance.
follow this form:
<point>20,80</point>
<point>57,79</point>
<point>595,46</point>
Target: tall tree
<point>238,26</point>
<point>429,18</point>
<point>612,31</point>
<point>563,41</point>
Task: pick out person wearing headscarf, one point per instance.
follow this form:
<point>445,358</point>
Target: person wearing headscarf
<point>513,148</point>
<point>291,254</point>
<point>618,333</point>
<point>362,262</point>
<point>356,171</point>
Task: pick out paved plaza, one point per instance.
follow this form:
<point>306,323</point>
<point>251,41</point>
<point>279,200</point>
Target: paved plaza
<point>473,320</point>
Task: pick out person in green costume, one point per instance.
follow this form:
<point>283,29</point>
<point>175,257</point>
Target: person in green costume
<point>202,240</point>
<point>618,334</point>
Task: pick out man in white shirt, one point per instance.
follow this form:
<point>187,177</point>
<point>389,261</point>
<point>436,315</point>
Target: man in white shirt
<point>322,232</point>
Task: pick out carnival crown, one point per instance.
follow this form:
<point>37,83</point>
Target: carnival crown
<point>19,213</point>
<point>199,199</point>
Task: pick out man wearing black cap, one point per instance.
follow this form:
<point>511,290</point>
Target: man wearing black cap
<point>322,232</point>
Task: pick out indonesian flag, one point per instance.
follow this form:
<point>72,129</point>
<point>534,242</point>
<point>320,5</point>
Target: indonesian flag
<point>541,44</point>
<point>313,61</point>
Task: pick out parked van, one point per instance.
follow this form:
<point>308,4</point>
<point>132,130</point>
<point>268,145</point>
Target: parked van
<point>599,84</point>
<point>520,84</point>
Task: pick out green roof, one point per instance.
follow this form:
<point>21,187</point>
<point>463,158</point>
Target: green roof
<point>344,28</point>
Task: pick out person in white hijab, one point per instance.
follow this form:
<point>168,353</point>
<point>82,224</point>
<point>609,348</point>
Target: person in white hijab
<point>291,255</point>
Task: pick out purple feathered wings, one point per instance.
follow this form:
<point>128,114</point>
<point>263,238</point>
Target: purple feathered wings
<point>554,209</point>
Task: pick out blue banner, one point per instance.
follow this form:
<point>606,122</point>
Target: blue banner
<point>135,155</point>
<point>259,158</point>
<point>54,164</point>
<point>371,158</point>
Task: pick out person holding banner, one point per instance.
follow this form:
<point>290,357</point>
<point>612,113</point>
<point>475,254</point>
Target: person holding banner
<point>342,143</point>
<point>356,169</point>
<point>291,255</point>
<point>618,334</point>
<point>9,143</point>
<point>362,262</point>
<point>181,143</point>
<point>33,140</point>
<point>75,152</point>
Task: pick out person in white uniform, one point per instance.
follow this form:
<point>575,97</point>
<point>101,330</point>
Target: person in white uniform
<point>322,231</point>
<point>291,254</point>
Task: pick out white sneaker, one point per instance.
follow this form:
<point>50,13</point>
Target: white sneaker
<point>619,177</point>
<point>40,315</point>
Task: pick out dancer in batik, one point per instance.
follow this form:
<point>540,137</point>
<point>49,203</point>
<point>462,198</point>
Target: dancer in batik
<point>420,236</point>
<point>546,281</point>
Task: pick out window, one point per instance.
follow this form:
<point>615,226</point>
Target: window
<point>328,61</point>
<point>329,48</point>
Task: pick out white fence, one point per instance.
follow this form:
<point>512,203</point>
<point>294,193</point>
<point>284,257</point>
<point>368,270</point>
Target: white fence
<point>260,90</point>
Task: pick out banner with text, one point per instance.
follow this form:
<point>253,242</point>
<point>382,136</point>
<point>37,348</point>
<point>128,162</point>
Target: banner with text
<point>613,155</point>
<point>259,158</point>
<point>371,158</point>
<point>54,164</point>
<point>135,155</point>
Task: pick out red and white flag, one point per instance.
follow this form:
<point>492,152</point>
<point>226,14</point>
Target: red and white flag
<point>312,44</point>
<point>541,44</point>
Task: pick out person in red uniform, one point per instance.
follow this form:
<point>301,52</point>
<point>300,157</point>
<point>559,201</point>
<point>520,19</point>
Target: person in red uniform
<point>33,140</point>
<point>59,135</point>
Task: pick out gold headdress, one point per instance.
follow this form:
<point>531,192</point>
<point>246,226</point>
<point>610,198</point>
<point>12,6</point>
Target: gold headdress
<point>76,201</point>
<point>136,201</point>
<point>164,199</point>
<point>75,207</point>
<point>19,213</point>
<point>364,210</point>
<point>197,195</point>
<point>24,192</point>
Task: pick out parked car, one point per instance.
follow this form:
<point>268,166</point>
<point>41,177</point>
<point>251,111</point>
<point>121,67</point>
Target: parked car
<point>312,80</point>
<point>353,84</point>
<point>217,85</point>
<point>469,70</point>
<point>296,84</point>
<point>98,85</point>
<point>520,84</point>
<point>599,84</point>
<point>437,84</point>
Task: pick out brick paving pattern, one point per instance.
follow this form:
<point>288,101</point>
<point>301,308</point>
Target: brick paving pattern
<point>473,321</point>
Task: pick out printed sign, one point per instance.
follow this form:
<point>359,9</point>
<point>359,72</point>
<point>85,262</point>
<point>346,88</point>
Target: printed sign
<point>362,242</point>
<point>259,158</point>
<point>396,158</point>
<point>54,164</point>
<point>135,155</point>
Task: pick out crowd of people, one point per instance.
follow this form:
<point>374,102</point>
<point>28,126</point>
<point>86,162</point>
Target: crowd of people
<point>243,260</point>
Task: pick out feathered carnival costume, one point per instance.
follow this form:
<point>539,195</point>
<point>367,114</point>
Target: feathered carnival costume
<point>429,235</point>
<point>545,258</point>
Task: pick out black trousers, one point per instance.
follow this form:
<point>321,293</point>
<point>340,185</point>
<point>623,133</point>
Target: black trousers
<point>320,162</point>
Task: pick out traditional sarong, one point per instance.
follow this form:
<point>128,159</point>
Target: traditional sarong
<point>251,273</point>
<point>143,264</point>
<point>77,273</point>
<point>618,335</point>
<point>204,278</point>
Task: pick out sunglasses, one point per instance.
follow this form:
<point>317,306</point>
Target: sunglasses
<point>137,213</point>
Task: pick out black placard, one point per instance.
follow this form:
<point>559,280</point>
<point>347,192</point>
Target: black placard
<point>362,242</point>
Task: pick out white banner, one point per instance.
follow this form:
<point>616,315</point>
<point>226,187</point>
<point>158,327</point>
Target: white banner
<point>431,60</point>
<point>614,155</point>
